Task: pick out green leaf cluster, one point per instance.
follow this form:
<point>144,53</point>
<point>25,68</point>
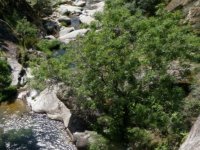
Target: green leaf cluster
<point>6,91</point>
<point>121,72</point>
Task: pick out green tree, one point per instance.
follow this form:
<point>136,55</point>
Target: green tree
<point>121,73</point>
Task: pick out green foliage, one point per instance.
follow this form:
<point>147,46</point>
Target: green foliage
<point>142,138</point>
<point>48,45</point>
<point>6,91</point>
<point>42,7</point>
<point>99,143</point>
<point>147,7</point>
<point>4,74</point>
<point>27,33</point>
<point>122,73</point>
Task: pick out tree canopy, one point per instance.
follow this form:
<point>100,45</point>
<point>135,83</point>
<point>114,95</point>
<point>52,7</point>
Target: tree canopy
<point>121,72</point>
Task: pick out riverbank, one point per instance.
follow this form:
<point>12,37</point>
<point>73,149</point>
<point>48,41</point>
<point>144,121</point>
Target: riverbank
<point>19,118</point>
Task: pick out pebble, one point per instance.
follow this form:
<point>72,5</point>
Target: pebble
<point>49,134</point>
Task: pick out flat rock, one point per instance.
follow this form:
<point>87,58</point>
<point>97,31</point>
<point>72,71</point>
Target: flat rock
<point>68,9</point>
<point>79,3</point>
<point>64,20</point>
<point>72,35</point>
<point>99,7</point>
<point>50,37</point>
<point>65,30</point>
<point>86,19</point>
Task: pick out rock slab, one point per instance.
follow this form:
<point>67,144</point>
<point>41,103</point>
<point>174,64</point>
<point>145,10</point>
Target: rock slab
<point>47,102</point>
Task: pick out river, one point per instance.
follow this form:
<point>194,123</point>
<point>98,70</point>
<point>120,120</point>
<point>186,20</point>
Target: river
<point>21,129</point>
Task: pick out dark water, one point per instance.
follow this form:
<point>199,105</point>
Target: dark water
<point>75,22</point>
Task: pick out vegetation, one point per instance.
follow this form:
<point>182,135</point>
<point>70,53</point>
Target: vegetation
<point>122,73</point>
<point>48,45</point>
<point>6,91</point>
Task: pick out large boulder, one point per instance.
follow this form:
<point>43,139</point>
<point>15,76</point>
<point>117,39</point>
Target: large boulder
<point>47,102</point>
<point>80,3</point>
<point>190,8</point>
<point>65,30</point>
<point>68,9</point>
<point>86,19</point>
<point>193,139</point>
<point>89,139</point>
<point>73,35</point>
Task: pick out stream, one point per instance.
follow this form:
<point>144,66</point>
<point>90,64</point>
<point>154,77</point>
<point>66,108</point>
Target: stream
<point>21,129</point>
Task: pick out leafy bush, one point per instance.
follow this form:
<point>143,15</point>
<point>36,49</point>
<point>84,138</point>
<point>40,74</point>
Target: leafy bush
<point>48,45</point>
<point>121,73</point>
<point>141,138</point>
<point>4,74</point>
<point>27,33</point>
<point>6,91</point>
<point>99,143</point>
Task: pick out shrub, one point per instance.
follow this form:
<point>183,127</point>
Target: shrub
<point>27,33</point>
<point>121,73</point>
<point>48,45</point>
<point>6,91</point>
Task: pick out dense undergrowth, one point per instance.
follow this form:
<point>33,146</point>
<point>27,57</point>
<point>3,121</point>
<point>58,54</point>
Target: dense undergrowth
<point>6,91</point>
<point>120,69</point>
<point>121,73</point>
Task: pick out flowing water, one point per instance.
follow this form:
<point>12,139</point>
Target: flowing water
<point>24,130</point>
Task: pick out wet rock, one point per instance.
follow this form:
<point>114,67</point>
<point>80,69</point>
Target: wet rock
<point>75,22</point>
<point>64,20</point>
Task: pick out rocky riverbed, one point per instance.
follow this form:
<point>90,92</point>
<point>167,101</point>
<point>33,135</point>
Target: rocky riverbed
<point>24,130</point>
